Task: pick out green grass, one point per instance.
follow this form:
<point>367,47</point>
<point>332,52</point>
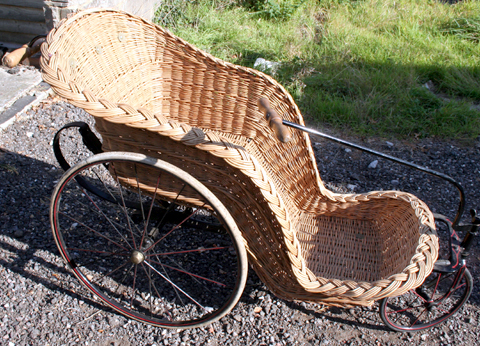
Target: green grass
<point>359,66</point>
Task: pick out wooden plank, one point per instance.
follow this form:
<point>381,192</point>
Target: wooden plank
<point>21,13</point>
<point>15,39</point>
<point>23,3</point>
<point>23,27</point>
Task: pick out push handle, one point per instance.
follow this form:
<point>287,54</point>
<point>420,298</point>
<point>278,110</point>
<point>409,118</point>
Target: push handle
<point>18,55</point>
<point>275,122</point>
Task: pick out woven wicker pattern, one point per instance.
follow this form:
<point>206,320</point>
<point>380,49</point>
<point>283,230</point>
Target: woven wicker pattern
<point>153,93</point>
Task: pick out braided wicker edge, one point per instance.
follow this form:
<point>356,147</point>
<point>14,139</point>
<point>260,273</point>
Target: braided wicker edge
<point>330,291</point>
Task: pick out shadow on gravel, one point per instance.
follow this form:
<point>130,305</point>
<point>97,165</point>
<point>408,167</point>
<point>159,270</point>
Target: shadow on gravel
<point>26,244</point>
<point>352,317</point>
<point>28,249</point>
<point>31,266</point>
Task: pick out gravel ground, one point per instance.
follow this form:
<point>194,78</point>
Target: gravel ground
<point>41,303</point>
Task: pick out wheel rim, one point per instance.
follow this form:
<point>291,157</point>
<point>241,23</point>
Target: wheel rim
<point>150,264</point>
<point>439,298</point>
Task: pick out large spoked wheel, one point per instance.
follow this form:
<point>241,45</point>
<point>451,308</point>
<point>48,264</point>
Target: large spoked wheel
<point>161,249</point>
<point>439,298</point>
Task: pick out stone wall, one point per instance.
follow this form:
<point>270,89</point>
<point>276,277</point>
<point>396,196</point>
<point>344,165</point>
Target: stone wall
<point>56,10</point>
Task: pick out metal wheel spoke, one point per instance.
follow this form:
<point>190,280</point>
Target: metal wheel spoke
<point>124,207</point>
<point>202,283</point>
<point>105,216</point>
<point>189,273</point>
<point>174,285</point>
<point>168,276</point>
<point>403,310</point>
<point>173,229</point>
<point>451,290</point>
<point>97,212</point>
<point>436,286</point>
<point>94,231</point>
<point>418,317</point>
<point>189,251</point>
<point>147,221</point>
<point>97,251</point>
<point>139,193</point>
<point>457,288</point>
<point>162,222</point>
<point>110,273</point>
<point>419,296</point>
<point>448,294</point>
<point>123,279</point>
<point>133,285</point>
<point>433,282</point>
<point>152,284</point>
<point>115,199</point>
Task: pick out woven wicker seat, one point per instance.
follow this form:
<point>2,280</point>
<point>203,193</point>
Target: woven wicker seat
<point>151,92</point>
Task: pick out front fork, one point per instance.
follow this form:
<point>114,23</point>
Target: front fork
<point>459,249</point>
<point>430,302</point>
<point>456,264</point>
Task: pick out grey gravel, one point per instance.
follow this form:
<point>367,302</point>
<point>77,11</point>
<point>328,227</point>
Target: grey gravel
<point>41,303</point>
<point>373,164</point>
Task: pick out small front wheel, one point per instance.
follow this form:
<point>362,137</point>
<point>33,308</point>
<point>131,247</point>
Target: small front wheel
<point>439,298</point>
<point>141,242</point>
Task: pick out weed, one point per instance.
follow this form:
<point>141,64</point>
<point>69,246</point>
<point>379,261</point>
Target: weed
<point>8,168</point>
<point>274,9</point>
<point>463,28</point>
<point>171,13</point>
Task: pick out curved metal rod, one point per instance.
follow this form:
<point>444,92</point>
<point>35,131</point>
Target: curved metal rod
<point>461,206</point>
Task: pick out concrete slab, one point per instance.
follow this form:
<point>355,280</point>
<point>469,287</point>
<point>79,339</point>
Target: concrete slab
<point>15,83</point>
<point>20,89</point>
<point>35,95</point>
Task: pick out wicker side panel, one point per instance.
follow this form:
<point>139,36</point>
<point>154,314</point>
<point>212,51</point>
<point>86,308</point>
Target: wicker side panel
<point>125,60</point>
<point>97,53</point>
<point>120,68</point>
<point>353,244</point>
<point>263,236</point>
<point>340,248</point>
<point>157,186</point>
<point>400,229</point>
<point>293,169</point>
<point>232,172</point>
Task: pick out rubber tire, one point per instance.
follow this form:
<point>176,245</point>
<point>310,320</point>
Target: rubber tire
<point>396,327</point>
<point>228,223</point>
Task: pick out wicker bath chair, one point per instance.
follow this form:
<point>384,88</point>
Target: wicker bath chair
<point>153,93</point>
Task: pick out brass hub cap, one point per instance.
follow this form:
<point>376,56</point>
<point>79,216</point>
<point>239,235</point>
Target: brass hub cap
<point>137,257</point>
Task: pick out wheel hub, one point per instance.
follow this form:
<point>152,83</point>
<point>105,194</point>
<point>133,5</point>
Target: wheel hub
<point>137,257</point>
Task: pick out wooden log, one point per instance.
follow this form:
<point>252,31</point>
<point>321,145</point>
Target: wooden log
<point>23,27</point>
<point>22,13</point>
<point>23,3</point>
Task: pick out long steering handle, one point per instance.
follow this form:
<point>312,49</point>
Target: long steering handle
<point>282,132</point>
<point>461,205</point>
<point>275,121</point>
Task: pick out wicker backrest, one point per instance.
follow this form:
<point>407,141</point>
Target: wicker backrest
<point>153,93</point>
